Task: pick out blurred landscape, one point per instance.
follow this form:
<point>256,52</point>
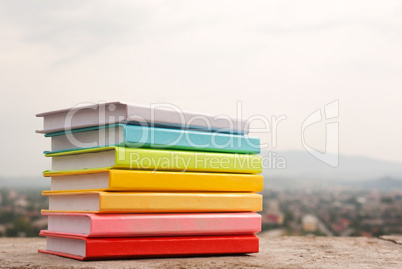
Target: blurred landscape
<point>360,197</point>
<point>20,211</point>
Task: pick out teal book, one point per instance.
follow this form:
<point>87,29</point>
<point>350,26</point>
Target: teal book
<point>141,136</point>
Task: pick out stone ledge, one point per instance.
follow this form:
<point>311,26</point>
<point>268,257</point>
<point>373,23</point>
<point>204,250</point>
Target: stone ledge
<point>275,252</point>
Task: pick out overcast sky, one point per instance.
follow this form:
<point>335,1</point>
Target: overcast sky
<point>276,57</point>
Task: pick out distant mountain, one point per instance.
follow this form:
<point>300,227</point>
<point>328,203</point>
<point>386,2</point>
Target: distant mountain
<point>303,169</point>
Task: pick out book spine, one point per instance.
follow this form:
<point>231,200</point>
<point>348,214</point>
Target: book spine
<point>144,136</point>
<point>121,202</point>
<point>150,159</point>
<point>170,246</point>
<point>120,180</point>
<point>176,225</point>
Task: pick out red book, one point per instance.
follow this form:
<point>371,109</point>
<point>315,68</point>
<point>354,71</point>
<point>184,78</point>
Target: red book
<point>83,248</point>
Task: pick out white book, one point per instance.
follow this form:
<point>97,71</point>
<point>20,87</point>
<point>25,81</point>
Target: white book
<point>155,115</point>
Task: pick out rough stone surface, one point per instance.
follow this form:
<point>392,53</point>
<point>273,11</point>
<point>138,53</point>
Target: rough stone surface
<point>275,252</point>
<point>397,239</point>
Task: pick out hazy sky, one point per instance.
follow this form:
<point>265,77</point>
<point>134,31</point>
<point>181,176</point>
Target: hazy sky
<point>276,57</point>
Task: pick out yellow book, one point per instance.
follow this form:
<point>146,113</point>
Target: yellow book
<point>142,180</point>
<point>152,202</point>
<point>155,159</point>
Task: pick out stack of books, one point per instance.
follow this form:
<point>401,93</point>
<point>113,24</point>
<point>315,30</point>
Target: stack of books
<point>135,181</point>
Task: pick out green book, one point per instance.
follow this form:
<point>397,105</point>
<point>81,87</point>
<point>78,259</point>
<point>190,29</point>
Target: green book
<point>155,159</point>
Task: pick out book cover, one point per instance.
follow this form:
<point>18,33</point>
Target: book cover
<point>118,112</point>
<point>155,159</point>
<point>142,180</point>
<point>151,137</point>
<point>152,202</point>
<point>82,248</point>
<point>141,225</point>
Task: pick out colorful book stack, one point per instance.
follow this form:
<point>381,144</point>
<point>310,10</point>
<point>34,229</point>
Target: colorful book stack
<point>134,181</point>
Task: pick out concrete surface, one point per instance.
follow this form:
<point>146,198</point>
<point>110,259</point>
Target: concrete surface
<point>275,252</point>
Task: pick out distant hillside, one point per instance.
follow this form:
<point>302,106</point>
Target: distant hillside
<point>301,164</point>
<point>302,169</point>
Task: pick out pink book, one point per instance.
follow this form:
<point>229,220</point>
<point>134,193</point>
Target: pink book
<point>140,225</point>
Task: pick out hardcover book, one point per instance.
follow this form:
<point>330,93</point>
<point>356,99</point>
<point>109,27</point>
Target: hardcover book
<point>155,159</point>
<point>152,137</point>
<point>117,112</point>
<point>142,180</point>
<point>140,225</point>
<point>83,248</point>
<point>152,202</point>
